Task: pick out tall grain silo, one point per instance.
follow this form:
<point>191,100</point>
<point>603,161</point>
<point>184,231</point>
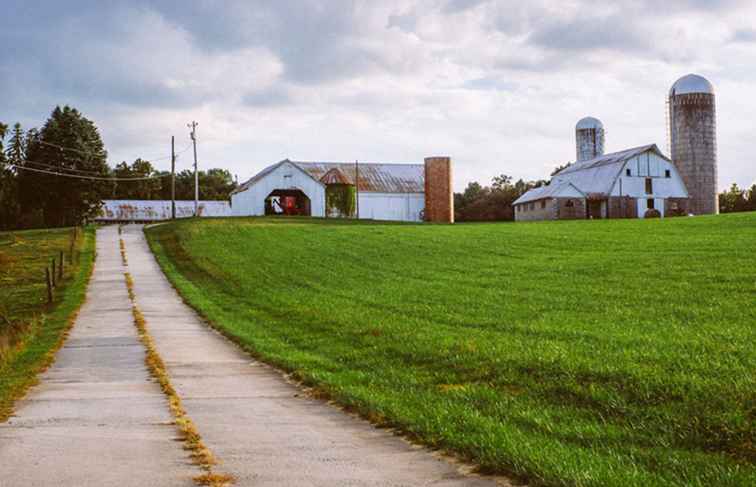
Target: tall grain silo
<point>693,140</point>
<point>589,137</point>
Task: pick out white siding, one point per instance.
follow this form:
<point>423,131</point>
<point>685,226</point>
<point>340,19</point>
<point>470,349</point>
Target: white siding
<point>287,176</point>
<point>392,206</point>
<point>649,165</point>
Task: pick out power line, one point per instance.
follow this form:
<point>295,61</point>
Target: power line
<point>92,178</point>
<point>89,154</point>
<point>59,168</point>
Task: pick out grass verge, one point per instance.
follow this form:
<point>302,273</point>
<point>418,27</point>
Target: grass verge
<point>605,353</point>
<point>42,327</point>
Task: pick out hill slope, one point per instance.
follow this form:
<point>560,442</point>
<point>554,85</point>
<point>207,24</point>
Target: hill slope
<point>605,353</point>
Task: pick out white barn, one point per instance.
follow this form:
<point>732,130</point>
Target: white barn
<point>626,184</point>
<point>384,191</point>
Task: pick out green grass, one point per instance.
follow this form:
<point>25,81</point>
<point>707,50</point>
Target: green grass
<point>31,329</point>
<point>603,353</point>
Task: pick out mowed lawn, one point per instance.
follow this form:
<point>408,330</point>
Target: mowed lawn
<point>30,328</point>
<point>603,353</point>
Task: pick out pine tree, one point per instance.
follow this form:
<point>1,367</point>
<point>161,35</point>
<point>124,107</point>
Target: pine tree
<point>68,143</point>
<point>8,187</point>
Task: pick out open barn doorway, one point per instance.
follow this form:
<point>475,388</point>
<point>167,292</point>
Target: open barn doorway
<point>287,202</point>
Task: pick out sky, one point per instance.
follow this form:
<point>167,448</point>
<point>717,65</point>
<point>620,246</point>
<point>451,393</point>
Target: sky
<point>497,85</point>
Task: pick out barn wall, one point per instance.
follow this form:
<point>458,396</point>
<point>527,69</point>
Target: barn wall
<point>574,212</point>
<point>392,206</point>
<point>287,176</point>
<point>157,210</point>
<point>623,207</point>
<point>649,165</point>
<point>545,209</point>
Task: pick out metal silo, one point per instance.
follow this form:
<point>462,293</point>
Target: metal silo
<point>693,140</point>
<point>589,137</point>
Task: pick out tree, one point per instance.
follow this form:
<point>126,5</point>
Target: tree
<point>494,203</point>
<point>559,168</point>
<point>736,199</point>
<point>215,184</point>
<point>144,189</point>
<point>8,190</point>
<point>67,143</point>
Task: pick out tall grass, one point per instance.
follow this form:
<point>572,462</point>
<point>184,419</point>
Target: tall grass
<point>31,329</point>
<point>604,353</point>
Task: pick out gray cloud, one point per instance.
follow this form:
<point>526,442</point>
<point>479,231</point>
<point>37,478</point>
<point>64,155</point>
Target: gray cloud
<point>744,35</point>
<point>479,79</point>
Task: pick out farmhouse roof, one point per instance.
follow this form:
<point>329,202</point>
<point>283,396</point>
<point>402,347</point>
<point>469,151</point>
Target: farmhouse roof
<point>373,177</point>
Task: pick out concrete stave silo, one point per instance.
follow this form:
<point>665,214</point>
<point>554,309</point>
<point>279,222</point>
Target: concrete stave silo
<point>693,140</point>
<point>589,138</point>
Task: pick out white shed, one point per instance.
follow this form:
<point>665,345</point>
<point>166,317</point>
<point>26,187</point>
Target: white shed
<point>384,191</point>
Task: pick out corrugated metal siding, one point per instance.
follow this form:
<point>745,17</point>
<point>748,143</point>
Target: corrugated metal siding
<point>406,207</point>
<point>146,210</point>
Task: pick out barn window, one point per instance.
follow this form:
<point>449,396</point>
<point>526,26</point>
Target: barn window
<point>628,172</point>
<point>667,173</point>
<point>543,204</point>
<point>569,204</point>
<point>650,203</point>
<point>649,186</point>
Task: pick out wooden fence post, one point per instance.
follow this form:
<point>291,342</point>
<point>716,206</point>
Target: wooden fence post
<point>48,280</point>
<point>60,266</point>
<point>73,246</point>
<point>53,272</point>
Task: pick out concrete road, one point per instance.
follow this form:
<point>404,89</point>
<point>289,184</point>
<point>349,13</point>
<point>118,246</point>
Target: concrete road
<point>96,418</point>
<point>263,429</point>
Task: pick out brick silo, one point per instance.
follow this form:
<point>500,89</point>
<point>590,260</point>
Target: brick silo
<point>589,137</point>
<point>693,140</point>
<point>439,195</point>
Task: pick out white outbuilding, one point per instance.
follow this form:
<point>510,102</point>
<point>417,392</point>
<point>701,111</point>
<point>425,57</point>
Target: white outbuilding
<point>331,189</point>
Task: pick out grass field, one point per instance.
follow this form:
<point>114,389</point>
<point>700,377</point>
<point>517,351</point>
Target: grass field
<point>30,328</point>
<point>605,353</point>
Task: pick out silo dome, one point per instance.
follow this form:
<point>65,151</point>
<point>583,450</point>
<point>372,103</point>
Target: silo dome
<point>589,123</point>
<point>589,138</point>
<point>691,83</point>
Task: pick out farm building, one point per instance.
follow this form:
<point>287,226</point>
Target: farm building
<point>399,192</point>
<point>627,184</point>
<point>158,210</point>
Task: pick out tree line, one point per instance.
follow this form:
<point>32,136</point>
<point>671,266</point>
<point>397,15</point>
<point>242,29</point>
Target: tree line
<point>33,193</point>
<point>491,203</point>
<point>494,202</point>
<point>735,199</point>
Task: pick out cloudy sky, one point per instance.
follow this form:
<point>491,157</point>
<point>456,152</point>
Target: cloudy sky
<point>498,85</point>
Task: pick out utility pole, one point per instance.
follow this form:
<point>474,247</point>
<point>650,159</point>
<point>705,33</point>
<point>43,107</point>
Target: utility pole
<point>173,178</point>
<point>193,135</point>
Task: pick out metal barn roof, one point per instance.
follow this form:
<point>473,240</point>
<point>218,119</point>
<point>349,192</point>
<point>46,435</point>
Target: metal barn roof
<point>597,176</point>
<point>553,190</point>
<point>373,177</point>
<point>593,178</point>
